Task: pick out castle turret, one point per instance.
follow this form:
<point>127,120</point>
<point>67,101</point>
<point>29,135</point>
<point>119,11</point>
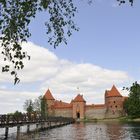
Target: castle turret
<point>79,107</point>
<point>114,102</point>
<point>50,102</point>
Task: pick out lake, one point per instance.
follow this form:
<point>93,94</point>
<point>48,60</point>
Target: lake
<point>88,131</point>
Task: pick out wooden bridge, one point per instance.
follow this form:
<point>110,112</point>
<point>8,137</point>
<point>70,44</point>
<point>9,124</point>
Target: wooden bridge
<point>7,121</point>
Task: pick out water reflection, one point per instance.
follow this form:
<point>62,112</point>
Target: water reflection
<point>78,131</point>
<point>135,131</point>
<point>89,131</point>
<point>116,131</point>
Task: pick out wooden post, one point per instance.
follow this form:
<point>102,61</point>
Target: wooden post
<point>37,127</point>
<point>50,125</point>
<point>55,124</point>
<point>60,123</point>
<point>28,128</point>
<point>6,132</point>
<point>42,125</point>
<point>36,130</point>
<point>18,132</point>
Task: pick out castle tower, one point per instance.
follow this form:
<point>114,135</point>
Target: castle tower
<point>50,102</point>
<point>78,105</point>
<point>114,102</point>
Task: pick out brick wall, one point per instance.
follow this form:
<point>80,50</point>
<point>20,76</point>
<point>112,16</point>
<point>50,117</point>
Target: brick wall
<point>95,113</point>
<point>63,112</point>
<point>79,107</point>
<point>114,107</point>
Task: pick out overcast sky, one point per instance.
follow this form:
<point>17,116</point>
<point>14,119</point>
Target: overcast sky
<point>104,52</point>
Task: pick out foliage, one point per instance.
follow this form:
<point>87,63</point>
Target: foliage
<point>17,113</point>
<point>28,106</point>
<point>38,106</point>
<point>15,17</point>
<point>132,104</point>
<point>43,108</point>
<point>124,1</point>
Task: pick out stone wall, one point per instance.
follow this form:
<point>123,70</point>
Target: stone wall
<point>95,113</point>
<point>63,112</point>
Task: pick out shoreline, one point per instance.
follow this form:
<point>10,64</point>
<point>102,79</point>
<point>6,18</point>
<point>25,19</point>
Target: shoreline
<point>121,119</point>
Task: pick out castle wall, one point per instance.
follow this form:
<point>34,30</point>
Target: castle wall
<point>114,102</point>
<point>114,107</point>
<point>95,113</point>
<point>50,103</point>
<point>50,112</point>
<point>116,114</point>
<point>63,112</point>
<point>79,107</point>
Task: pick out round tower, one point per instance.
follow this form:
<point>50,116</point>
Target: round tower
<point>114,102</point>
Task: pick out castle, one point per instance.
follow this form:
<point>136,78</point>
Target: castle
<point>77,108</point>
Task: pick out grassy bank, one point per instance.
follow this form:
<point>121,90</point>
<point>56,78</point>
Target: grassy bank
<point>129,119</point>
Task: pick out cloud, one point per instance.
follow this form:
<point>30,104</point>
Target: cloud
<point>91,80</point>
<point>11,100</point>
<point>46,65</point>
<point>43,64</point>
<point>63,77</point>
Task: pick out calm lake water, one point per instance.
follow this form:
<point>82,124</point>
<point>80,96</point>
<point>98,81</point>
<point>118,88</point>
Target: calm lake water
<point>89,131</point>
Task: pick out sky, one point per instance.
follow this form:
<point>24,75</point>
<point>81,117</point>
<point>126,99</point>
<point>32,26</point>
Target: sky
<point>105,51</point>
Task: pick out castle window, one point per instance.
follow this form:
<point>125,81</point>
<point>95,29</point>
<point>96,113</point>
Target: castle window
<point>116,106</point>
<point>114,102</point>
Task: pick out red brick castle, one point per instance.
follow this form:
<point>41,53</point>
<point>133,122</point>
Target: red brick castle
<point>78,108</point>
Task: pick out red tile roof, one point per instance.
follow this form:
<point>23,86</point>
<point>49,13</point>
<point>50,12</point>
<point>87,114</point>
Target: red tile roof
<point>113,92</point>
<point>94,106</point>
<point>48,95</point>
<point>79,98</point>
<point>61,105</point>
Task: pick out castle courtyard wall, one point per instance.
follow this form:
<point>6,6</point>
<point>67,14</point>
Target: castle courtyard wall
<point>63,112</point>
<point>95,113</point>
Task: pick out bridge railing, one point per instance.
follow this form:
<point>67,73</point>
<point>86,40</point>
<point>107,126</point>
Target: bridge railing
<point>19,120</point>
<point>29,118</point>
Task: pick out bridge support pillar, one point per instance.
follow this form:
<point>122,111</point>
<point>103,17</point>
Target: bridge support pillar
<point>42,125</point>
<point>28,128</point>
<point>37,127</point>
<point>18,132</point>
<point>6,132</point>
<point>50,125</point>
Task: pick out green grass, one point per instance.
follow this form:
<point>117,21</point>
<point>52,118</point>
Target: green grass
<point>129,119</point>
